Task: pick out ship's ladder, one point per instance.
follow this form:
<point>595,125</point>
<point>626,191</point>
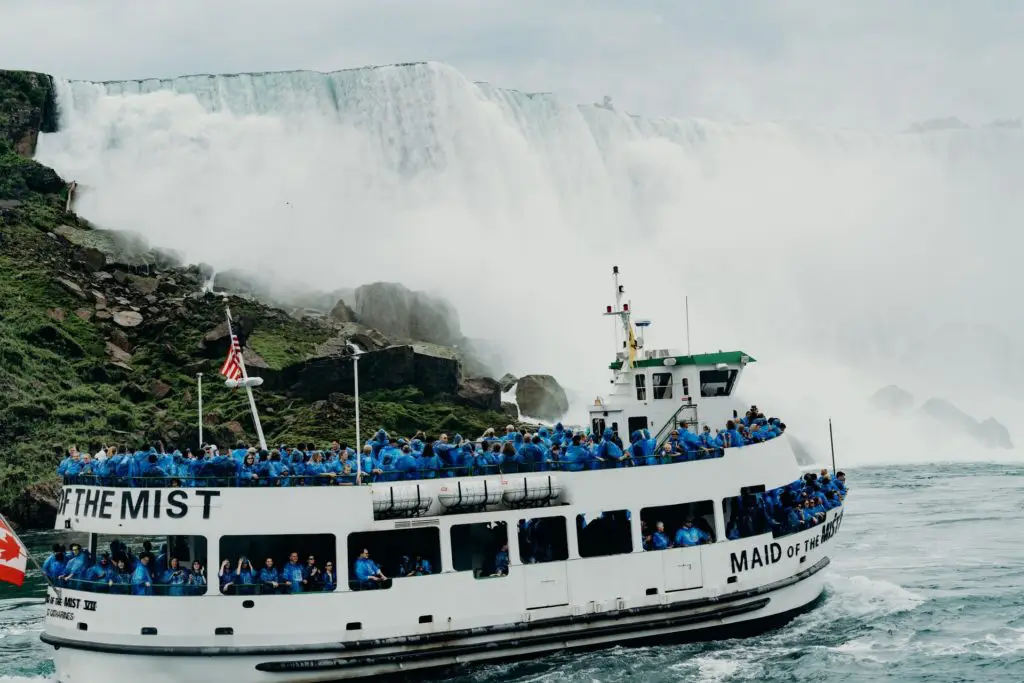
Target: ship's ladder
<point>684,418</point>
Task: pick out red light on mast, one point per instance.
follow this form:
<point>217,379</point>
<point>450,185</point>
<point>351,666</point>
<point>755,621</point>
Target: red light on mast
<point>625,307</point>
<point>608,309</point>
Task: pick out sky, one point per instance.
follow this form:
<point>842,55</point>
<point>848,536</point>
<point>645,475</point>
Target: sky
<point>865,64</point>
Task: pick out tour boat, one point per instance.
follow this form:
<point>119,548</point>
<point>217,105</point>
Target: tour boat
<point>578,574</point>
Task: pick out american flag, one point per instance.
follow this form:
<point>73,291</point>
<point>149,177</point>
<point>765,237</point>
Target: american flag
<point>232,368</point>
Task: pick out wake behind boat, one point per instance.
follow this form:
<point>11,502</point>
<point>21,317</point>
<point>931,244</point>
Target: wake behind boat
<point>407,556</point>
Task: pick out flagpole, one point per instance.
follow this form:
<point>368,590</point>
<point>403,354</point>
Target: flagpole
<point>199,379</point>
<point>248,389</point>
<point>359,443</point>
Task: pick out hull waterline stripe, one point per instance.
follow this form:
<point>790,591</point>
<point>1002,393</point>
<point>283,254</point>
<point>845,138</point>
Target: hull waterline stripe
<point>508,647</point>
<point>425,639</point>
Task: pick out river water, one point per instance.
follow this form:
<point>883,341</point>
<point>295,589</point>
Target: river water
<point>925,585</point>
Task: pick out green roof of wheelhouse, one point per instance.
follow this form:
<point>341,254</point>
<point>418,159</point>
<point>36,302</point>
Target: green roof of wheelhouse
<point>733,357</point>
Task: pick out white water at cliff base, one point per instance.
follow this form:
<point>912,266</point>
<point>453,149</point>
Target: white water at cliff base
<point>842,260</point>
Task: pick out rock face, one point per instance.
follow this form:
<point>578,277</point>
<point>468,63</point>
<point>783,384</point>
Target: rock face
<point>28,108</point>
<point>893,400</point>
<point>480,392</point>
<point>989,433</point>
<point>342,313</point>
<point>541,397</point>
<point>400,312</point>
<point>392,368</point>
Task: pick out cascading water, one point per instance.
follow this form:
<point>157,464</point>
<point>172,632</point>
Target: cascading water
<point>824,249</point>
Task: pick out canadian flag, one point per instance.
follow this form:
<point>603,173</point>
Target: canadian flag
<point>13,555</point>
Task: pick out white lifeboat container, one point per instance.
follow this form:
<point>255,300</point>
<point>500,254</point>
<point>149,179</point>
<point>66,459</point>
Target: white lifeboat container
<point>533,489</point>
<point>406,499</point>
<point>463,494</point>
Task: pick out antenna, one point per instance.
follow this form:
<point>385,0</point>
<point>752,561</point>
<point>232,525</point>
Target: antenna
<point>832,443</point>
<point>688,327</point>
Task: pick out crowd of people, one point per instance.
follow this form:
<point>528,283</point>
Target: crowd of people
<point>242,578</point>
<point>121,571</point>
<point>385,457</point>
<point>788,509</point>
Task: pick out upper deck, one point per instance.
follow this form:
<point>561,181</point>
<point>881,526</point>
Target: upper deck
<point>156,506</point>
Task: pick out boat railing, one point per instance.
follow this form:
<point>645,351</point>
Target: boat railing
<point>244,481</point>
<point>121,587</point>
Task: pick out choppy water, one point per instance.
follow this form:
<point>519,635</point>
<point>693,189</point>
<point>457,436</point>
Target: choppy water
<point>925,585</point>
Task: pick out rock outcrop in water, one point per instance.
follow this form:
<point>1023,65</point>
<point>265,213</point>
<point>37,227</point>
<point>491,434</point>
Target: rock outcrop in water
<point>942,413</point>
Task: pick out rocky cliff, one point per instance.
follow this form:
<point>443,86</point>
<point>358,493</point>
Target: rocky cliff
<point>102,336</point>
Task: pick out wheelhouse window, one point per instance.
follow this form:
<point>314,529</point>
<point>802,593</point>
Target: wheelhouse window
<point>543,539</point>
<point>686,386</point>
<point>377,557</point>
<point>481,548</point>
<point>641,387</point>
<point>678,526</point>
<point>661,383</point>
<point>604,533</point>
<point>717,382</point>
<point>277,564</point>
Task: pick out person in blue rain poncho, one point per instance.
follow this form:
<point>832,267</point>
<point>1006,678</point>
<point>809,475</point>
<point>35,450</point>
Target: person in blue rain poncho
<point>75,566</point>
<point>100,575</point>
<point>367,572</point>
<point>328,578</point>
<point>689,535</point>
<point>269,577</point>
<point>532,454</point>
<point>292,575</point>
<point>175,578</point>
<point>197,579</point>
<point>142,582</point>
<point>608,451</point>
<point>53,567</point>
<point>659,539</point>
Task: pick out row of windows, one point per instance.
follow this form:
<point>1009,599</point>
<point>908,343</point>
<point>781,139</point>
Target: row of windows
<point>712,383</point>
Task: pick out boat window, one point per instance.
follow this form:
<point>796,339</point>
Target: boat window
<point>641,387</point>
<point>110,564</point>
<point>604,533</point>
<point>637,423</point>
<point>543,539</point>
<point>717,382</point>
<point>377,557</point>
<point>597,426</point>
<point>674,530</point>
<point>661,383</point>
<point>481,548</point>
<point>686,386</point>
<point>276,564</point>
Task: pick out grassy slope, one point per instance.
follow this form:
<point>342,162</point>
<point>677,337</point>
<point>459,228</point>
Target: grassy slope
<point>58,387</point>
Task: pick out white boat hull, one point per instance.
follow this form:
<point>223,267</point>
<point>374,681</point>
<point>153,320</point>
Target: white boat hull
<point>761,610</point>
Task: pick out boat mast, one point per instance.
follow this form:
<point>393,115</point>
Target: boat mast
<point>621,310</point>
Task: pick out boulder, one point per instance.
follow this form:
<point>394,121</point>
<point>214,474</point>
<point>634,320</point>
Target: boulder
<point>507,381</point>
<point>58,314</point>
<point>159,390</point>
<point>342,313</point>
<point>127,318</point>
<point>400,312</point>
<point>89,259</point>
<point>480,392</point>
<point>143,285</point>
<point>119,248</point>
<point>541,397</point>
<point>510,410</point>
<point>84,314</point>
<point>73,289</point>
<point>119,339</point>
<point>117,354</point>
<point>234,427</point>
<point>239,282</point>
<point>893,400</point>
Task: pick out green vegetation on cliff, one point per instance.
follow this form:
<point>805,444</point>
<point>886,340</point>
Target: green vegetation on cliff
<point>94,353</point>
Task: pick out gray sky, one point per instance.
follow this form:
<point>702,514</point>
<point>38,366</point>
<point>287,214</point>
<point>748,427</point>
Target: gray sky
<point>864,64</point>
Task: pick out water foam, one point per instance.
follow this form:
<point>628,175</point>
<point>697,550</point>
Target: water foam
<point>815,248</point>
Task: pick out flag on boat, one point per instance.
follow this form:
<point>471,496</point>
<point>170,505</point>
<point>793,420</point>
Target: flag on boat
<point>13,555</point>
<point>631,346</point>
<point>232,368</point>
